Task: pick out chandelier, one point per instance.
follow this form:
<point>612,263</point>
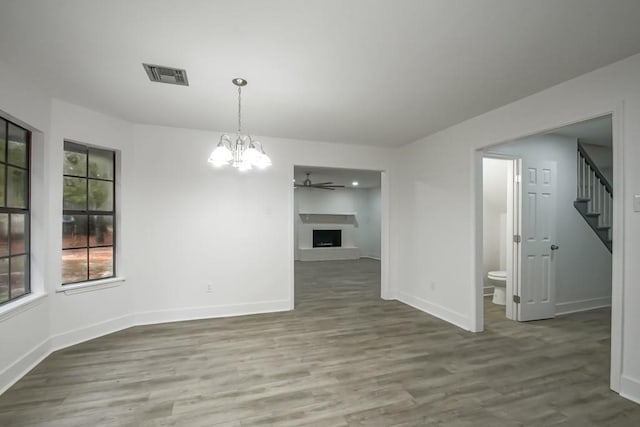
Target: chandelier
<point>243,153</point>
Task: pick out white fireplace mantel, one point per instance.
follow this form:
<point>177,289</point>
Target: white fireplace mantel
<point>328,217</point>
<point>345,221</point>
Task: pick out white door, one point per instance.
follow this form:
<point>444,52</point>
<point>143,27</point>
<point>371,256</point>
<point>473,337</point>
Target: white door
<point>536,287</point>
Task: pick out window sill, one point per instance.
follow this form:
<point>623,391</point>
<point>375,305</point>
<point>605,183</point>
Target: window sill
<point>78,288</point>
<point>21,305</point>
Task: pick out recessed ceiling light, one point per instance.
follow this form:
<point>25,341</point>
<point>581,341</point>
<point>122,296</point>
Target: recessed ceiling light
<point>354,183</point>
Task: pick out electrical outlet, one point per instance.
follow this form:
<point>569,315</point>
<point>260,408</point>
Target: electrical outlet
<point>636,203</point>
<point>209,288</point>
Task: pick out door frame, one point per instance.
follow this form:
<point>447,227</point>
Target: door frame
<point>514,223</point>
<point>616,112</point>
<point>386,290</point>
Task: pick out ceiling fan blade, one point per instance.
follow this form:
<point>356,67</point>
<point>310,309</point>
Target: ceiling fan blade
<point>334,186</point>
<point>322,183</point>
<point>324,188</point>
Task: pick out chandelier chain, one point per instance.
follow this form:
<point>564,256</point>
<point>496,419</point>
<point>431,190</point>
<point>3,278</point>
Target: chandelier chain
<point>239,110</point>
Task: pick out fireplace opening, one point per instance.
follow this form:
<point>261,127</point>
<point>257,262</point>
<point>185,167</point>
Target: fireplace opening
<point>327,238</point>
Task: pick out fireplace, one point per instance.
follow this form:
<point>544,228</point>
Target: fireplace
<point>327,238</point>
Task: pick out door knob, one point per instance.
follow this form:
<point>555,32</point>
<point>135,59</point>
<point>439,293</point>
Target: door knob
<point>555,247</point>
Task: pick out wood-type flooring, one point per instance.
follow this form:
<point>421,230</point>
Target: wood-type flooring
<point>343,357</point>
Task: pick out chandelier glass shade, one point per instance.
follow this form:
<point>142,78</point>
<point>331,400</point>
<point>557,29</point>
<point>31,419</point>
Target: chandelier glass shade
<point>242,152</point>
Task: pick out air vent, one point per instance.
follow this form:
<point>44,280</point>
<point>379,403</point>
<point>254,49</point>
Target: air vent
<point>162,74</point>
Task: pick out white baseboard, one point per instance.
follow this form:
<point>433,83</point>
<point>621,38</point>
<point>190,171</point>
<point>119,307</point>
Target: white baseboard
<point>582,305</point>
<point>329,254</point>
<point>18,369</point>
<point>33,357</point>
<point>630,388</point>
<point>90,332</point>
<point>22,366</point>
<point>210,312</point>
<point>436,310</point>
<point>488,291</point>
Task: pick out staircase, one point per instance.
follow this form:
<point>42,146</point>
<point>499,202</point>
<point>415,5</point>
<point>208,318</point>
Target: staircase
<point>595,197</point>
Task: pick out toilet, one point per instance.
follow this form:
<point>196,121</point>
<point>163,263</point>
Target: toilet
<point>499,281</point>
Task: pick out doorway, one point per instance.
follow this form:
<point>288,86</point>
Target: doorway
<point>562,263</point>
<point>577,246</point>
<point>339,220</point>
<point>500,213</point>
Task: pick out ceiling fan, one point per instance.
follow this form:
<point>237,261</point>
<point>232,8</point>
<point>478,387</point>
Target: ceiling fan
<point>323,185</point>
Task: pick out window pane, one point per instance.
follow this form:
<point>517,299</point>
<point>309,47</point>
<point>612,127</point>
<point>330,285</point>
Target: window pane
<point>101,230</point>
<point>18,233</point>
<point>101,164</point>
<point>100,195</point>
<point>18,138</point>
<point>18,275</point>
<point>4,234</point>
<point>75,193</point>
<point>75,163</point>
<point>17,188</point>
<point>74,231</point>
<point>100,263</point>
<point>2,199</point>
<point>4,279</point>
<point>74,265</point>
<point>14,196</point>
<point>3,140</point>
<point>88,252</point>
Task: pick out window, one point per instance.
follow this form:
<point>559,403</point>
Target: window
<point>88,217</point>
<point>14,211</point>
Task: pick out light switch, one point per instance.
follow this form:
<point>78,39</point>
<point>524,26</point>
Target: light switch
<point>636,203</point>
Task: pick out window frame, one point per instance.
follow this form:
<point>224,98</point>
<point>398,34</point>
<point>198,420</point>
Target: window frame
<point>26,211</point>
<point>85,149</point>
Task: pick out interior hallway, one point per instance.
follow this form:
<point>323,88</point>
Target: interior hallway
<point>342,358</point>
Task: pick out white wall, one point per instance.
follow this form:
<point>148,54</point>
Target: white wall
<point>59,319</point>
<point>583,263</point>
<point>24,331</point>
<point>364,202</point>
<point>74,316</point>
<point>494,191</point>
<point>433,200</point>
<point>370,222</point>
<point>198,226</point>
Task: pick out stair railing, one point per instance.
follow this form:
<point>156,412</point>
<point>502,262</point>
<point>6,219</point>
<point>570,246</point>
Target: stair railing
<point>594,187</point>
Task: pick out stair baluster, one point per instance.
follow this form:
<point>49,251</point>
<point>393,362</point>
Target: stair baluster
<point>594,197</point>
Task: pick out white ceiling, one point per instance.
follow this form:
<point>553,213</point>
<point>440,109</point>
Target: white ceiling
<point>379,72</point>
<point>596,131</point>
<point>365,178</point>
